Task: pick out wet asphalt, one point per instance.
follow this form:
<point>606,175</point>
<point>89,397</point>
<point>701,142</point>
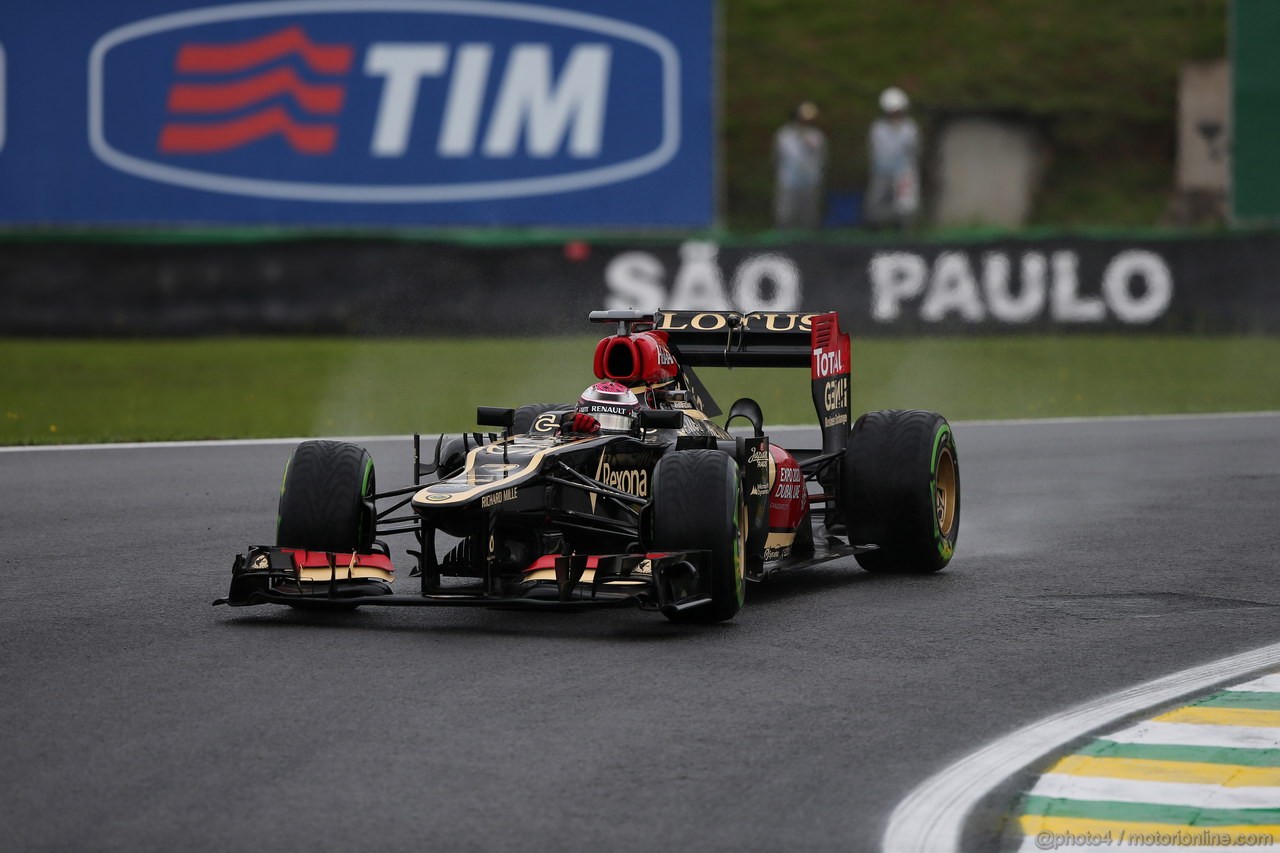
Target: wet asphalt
<point>134,716</point>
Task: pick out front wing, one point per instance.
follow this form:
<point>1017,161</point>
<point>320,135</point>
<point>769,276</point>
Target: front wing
<point>669,581</point>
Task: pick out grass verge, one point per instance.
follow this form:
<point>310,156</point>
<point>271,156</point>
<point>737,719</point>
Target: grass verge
<point>60,391</point>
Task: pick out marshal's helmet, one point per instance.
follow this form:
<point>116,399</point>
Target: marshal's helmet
<point>612,404</point>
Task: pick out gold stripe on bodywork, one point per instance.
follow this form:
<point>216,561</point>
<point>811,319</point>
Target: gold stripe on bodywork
<point>324,574</point>
<point>779,540</point>
<point>427,497</point>
<point>588,576</point>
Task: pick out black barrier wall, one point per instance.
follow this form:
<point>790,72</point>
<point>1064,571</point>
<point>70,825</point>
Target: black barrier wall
<point>384,287</point>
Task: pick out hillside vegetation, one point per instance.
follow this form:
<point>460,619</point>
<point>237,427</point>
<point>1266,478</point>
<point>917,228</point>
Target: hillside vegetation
<point>1099,76</point>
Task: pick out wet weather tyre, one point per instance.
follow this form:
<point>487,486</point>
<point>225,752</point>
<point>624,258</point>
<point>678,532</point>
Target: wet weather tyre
<point>326,499</point>
<point>902,491</point>
<point>526,415</point>
<point>697,505</point>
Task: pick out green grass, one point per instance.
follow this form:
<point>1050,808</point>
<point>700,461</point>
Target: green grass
<point>1100,77</point>
<point>88,391</point>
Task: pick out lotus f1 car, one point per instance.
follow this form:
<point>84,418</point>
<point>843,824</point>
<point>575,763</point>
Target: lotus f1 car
<point>676,516</point>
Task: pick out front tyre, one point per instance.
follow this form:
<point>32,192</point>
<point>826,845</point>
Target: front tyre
<point>697,506</point>
<point>327,498</point>
<point>902,491</point>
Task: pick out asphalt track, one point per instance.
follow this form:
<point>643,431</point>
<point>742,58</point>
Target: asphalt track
<point>133,716</point>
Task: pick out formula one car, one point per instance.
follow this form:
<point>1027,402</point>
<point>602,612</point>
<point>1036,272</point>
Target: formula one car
<point>675,514</point>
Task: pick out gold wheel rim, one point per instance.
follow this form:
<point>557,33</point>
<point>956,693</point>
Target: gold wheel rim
<point>945,494</point>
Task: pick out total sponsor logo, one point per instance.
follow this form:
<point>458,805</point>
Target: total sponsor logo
<point>828,363</point>
<point>384,100</point>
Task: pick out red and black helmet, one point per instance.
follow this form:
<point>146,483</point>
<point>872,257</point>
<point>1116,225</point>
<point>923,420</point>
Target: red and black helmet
<point>612,404</point>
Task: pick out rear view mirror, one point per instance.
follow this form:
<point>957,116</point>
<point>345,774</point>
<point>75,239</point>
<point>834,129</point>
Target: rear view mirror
<point>495,416</point>
<point>661,419</point>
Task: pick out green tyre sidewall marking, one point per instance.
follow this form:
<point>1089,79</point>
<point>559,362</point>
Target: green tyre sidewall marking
<point>364,493</point>
<point>739,566</point>
<point>945,547</point>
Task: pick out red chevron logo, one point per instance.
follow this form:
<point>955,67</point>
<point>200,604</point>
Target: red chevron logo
<point>211,99</point>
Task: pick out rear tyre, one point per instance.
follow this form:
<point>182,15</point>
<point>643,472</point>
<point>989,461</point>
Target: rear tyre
<point>697,506</point>
<point>902,491</point>
<point>326,499</point>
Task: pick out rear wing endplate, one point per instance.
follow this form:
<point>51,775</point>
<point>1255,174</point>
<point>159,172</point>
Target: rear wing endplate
<point>771,339</point>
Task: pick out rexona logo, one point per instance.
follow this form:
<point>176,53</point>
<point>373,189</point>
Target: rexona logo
<point>384,101</point>
<point>634,481</point>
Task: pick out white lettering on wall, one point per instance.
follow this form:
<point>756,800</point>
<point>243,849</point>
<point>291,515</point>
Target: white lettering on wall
<point>764,282</point>
<point>1131,267</point>
<point>760,274</point>
<point>895,276</point>
<point>1136,287</point>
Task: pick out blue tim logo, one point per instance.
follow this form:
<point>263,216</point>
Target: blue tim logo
<point>384,101</point>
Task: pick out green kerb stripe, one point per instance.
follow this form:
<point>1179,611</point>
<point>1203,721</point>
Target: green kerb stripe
<point>1241,699</point>
<point>1204,754</point>
<point>1149,813</point>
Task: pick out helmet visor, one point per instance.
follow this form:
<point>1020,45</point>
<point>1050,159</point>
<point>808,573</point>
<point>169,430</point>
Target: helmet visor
<point>613,423</point>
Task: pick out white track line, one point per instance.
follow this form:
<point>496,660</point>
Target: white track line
<point>250,442</point>
<point>931,818</point>
<point>222,442</point>
<point>1265,684</point>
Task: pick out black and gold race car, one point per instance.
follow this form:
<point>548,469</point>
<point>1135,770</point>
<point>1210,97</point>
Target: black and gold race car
<point>676,515</point>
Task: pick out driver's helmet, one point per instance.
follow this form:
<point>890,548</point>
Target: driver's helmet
<point>612,404</point>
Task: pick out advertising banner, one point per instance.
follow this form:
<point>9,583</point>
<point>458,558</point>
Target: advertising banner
<point>1193,285</point>
<point>357,112</point>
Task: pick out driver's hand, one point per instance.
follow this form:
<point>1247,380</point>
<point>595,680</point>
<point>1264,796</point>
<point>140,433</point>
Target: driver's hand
<point>580,423</point>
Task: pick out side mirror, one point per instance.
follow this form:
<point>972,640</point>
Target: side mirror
<point>661,419</point>
<point>496,416</point>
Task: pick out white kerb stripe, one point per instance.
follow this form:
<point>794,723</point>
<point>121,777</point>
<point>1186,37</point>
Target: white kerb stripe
<point>932,817</point>
<point>1265,684</point>
<point>1107,789</point>
<point>1192,734</point>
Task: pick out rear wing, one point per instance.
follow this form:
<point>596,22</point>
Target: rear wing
<point>771,339</point>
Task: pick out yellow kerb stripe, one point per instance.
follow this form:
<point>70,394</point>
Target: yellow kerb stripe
<point>1036,824</point>
<point>1222,717</point>
<point>1150,770</point>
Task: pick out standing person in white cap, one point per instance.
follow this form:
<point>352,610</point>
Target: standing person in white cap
<point>800,158</point>
<point>893,198</point>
